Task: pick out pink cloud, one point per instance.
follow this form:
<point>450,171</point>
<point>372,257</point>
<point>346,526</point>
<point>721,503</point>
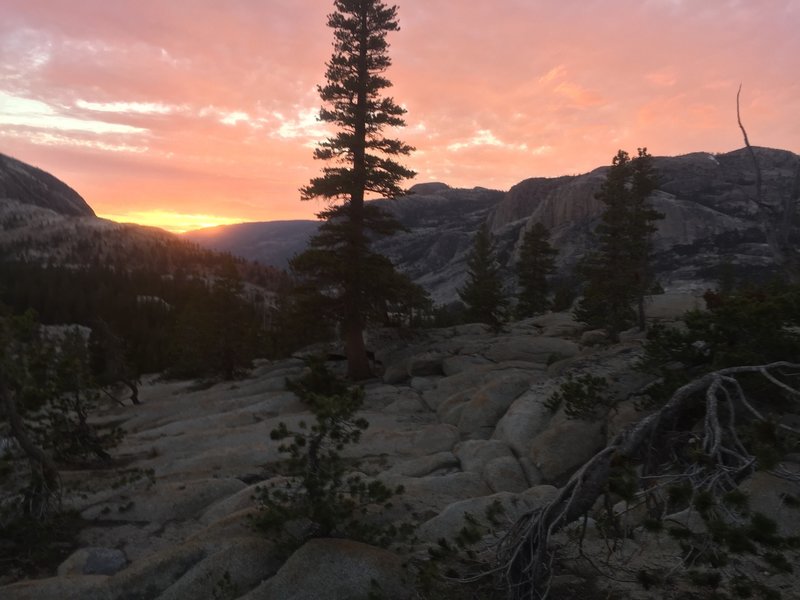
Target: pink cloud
<point>496,92</point>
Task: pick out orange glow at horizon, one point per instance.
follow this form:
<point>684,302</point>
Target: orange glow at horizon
<point>171,221</point>
<point>196,114</point>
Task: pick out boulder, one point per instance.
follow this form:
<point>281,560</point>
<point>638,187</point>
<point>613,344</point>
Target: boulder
<point>76,587</point>
<point>422,441</point>
<point>450,410</point>
<point>153,575</point>
<point>504,474</point>
<point>425,365</point>
<point>453,365</point>
<point>535,349</point>
<point>423,384</point>
<point>489,403</point>
<point>93,561</point>
<point>235,566</point>
<point>474,454</point>
<point>446,387</point>
<point>493,512</point>
<point>426,465</point>
<point>564,446</point>
<point>776,498</point>
<point>406,404</point>
<point>394,399</point>
<point>337,569</point>
<point>241,500</point>
<point>526,418</point>
<point>167,500</point>
<point>395,373</point>
<point>429,495</point>
<point>594,337</point>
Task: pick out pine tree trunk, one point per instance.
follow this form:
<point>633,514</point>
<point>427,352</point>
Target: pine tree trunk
<point>357,361</point>
<point>39,460</point>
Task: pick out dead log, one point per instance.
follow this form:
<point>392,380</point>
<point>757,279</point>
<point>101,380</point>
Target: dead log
<point>526,554</point>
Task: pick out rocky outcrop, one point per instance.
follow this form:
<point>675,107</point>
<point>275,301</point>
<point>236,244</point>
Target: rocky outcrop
<point>29,185</point>
<point>468,433</point>
<point>708,202</point>
<point>332,569</point>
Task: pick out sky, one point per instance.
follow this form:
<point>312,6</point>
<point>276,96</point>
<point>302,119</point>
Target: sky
<point>191,113</point>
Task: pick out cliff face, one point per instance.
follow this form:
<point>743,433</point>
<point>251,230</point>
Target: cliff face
<point>441,223</point>
<point>710,218</point>
<point>708,202</point>
<point>29,185</point>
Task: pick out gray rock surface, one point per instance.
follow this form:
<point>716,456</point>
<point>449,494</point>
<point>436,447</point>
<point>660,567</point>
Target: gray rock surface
<point>489,403</point>
<point>458,443</point>
<point>93,561</point>
<point>335,569</point>
<point>564,446</point>
<point>29,185</point>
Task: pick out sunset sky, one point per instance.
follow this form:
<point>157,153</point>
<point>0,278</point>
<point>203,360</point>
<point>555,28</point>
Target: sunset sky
<point>186,113</point>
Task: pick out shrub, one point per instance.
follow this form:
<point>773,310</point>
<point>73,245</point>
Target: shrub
<point>320,497</point>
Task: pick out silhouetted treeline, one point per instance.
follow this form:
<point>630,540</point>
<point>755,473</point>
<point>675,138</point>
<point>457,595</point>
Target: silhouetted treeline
<point>166,321</point>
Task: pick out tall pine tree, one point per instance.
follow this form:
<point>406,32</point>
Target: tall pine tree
<point>352,277</point>
<point>618,275</point>
<point>536,262</point>
<point>483,291</point>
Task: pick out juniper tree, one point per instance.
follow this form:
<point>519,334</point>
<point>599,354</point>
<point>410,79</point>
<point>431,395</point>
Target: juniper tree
<point>617,275</point>
<point>362,163</point>
<point>483,291</point>
<point>536,262</point>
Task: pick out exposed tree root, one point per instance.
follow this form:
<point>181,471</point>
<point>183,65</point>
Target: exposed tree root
<point>692,439</point>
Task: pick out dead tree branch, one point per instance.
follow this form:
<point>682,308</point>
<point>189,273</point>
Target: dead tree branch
<point>716,465</point>
<point>776,221</point>
<point>756,165</point>
<point>44,492</point>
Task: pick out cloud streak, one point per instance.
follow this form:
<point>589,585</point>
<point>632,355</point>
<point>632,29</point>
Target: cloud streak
<point>208,108</point>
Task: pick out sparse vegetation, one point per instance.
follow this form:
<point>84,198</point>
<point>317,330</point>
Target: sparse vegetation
<point>618,276</point>
<point>321,494</point>
<point>46,395</point>
<point>483,292</point>
<point>536,263</point>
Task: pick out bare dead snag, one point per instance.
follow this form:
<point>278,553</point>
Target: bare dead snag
<point>526,554</point>
<point>776,221</point>
<point>756,165</point>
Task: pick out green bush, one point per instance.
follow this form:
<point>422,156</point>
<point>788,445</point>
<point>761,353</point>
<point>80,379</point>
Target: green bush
<point>319,496</point>
<point>584,397</point>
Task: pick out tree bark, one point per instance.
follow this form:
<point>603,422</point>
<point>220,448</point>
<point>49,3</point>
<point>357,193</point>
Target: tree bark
<point>358,367</point>
<point>39,459</point>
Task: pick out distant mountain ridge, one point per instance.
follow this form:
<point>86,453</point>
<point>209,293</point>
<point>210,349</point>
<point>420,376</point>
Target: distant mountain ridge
<point>269,242</point>
<point>707,200</point>
<point>711,219</point>
<point>44,221</point>
<point>440,223</point>
<point>29,185</point>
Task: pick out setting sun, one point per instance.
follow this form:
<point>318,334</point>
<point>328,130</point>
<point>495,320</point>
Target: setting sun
<point>171,221</point>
